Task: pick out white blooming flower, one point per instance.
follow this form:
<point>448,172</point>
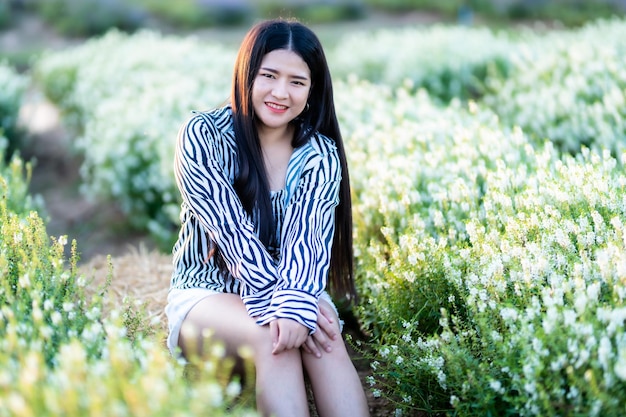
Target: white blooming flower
<point>496,386</point>
<point>56,318</point>
<point>620,365</point>
<point>24,281</point>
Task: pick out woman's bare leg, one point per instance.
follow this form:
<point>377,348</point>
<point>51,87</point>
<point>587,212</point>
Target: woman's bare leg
<point>336,385</point>
<point>279,378</point>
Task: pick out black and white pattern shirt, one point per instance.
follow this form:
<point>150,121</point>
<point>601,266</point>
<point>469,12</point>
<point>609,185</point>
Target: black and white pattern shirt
<point>286,285</point>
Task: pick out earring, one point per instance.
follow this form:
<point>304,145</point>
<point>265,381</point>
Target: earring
<point>306,108</point>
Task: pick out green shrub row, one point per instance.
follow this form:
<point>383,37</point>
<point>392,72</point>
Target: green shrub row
<point>565,86</point>
<point>491,269</point>
<point>149,85</point>
<point>89,17</point>
<point>12,89</point>
<point>15,175</point>
<point>569,87</point>
<point>568,12</point>
<point>448,61</point>
<point>95,17</point>
<point>566,90</point>
<point>446,7</point>
<point>5,14</point>
<point>60,355</point>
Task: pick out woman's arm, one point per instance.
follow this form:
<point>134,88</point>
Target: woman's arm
<point>206,189</point>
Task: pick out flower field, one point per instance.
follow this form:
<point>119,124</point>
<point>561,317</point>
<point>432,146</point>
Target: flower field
<point>61,355</point>
<point>489,198</point>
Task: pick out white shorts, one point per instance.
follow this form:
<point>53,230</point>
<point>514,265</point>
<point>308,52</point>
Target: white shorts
<point>181,301</point>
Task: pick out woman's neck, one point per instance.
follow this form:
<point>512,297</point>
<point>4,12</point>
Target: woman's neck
<point>272,137</point>
<point>276,148</point>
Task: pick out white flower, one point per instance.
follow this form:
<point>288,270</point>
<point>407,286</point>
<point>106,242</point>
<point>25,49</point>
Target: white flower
<point>496,386</point>
<point>24,281</point>
<point>56,318</point>
<point>233,389</point>
<point>530,387</point>
<point>605,352</point>
<point>620,365</point>
<point>509,314</point>
<point>569,317</point>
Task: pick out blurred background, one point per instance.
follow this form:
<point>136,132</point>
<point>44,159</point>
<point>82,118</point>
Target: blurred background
<point>28,26</point>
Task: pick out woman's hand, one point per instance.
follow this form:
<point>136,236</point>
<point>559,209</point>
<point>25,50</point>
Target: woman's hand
<point>326,332</point>
<point>287,334</point>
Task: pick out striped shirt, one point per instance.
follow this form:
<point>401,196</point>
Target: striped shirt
<point>284,283</point>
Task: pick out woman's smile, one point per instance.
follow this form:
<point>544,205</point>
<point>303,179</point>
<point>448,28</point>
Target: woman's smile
<point>277,108</point>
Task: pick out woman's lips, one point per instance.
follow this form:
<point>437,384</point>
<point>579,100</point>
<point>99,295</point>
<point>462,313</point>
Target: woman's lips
<point>276,108</point>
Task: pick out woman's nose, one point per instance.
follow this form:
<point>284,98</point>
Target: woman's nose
<point>279,90</point>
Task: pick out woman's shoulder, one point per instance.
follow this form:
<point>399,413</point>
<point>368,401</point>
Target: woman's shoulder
<point>220,118</point>
<point>211,128</point>
<point>322,144</point>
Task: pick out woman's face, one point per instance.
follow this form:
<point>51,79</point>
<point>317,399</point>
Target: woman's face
<point>281,89</point>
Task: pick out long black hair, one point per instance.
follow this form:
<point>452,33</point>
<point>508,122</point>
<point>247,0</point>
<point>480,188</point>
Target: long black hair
<point>251,184</point>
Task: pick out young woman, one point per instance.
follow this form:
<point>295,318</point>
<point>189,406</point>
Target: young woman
<point>267,227</point>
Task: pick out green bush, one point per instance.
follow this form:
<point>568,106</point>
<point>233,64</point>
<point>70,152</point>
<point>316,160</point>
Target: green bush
<point>428,178</point>
<point>445,6</point>
<point>15,177</point>
<point>312,11</point>
<point>5,14</point>
<point>448,61</point>
<point>198,13</point>
<point>561,86</point>
<point>543,288</point>
<point>60,355</point>
<point>568,87</point>
<point>90,17</point>
<point>569,12</point>
<point>491,272</point>
<point>148,84</point>
<point>12,89</point>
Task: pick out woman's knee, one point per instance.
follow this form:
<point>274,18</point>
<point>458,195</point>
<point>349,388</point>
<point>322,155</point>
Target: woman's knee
<point>219,318</point>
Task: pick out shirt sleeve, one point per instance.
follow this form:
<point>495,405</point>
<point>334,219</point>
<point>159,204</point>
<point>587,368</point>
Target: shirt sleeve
<point>206,189</point>
<point>308,232</point>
